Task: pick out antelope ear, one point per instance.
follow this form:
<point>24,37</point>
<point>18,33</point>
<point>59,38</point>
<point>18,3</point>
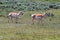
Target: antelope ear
<point>21,12</point>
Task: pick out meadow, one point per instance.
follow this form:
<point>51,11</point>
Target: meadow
<point>24,30</point>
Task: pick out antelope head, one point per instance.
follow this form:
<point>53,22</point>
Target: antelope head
<point>20,13</point>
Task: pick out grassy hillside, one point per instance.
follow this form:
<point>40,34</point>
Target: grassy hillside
<point>27,5</point>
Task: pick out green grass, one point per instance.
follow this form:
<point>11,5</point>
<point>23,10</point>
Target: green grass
<point>26,31</point>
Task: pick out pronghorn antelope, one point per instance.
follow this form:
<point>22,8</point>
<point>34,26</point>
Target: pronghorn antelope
<point>15,15</point>
<point>38,17</point>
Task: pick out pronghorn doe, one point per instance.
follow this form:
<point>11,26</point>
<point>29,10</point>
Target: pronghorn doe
<point>38,17</point>
<point>15,15</point>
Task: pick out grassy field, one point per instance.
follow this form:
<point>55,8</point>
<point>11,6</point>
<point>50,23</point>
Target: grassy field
<point>24,30</point>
